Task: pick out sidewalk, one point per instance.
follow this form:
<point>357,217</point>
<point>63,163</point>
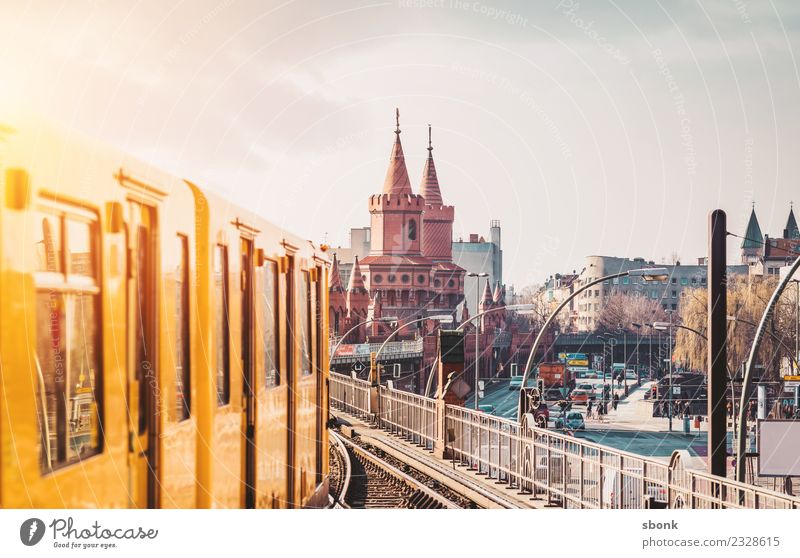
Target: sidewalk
<point>636,413</point>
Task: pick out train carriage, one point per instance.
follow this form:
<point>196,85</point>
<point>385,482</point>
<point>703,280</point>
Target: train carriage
<point>159,346</point>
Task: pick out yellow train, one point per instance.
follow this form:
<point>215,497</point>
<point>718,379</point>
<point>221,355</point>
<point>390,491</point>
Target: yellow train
<point>159,347</point>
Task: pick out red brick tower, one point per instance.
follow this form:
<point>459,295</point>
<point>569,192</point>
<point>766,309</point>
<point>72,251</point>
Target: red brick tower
<point>337,302</point>
<point>395,267</point>
<point>437,237</point>
<point>357,302</point>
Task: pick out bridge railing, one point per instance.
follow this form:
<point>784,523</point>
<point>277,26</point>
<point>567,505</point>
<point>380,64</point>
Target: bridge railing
<point>568,471</point>
<point>350,395</point>
<point>409,415</point>
<point>579,474</point>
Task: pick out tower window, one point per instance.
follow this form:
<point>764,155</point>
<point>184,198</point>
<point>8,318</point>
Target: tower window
<point>412,230</point>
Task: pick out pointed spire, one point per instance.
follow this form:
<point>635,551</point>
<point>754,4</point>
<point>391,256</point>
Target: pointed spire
<point>376,305</point>
<point>487,294</point>
<point>753,238</point>
<point>791,230</point>
<point>464,314</point>
<point>396,181</point>
<point>497,297</point>
<point>430,182</point>
<point>356,282</point>
<point>336,279</point>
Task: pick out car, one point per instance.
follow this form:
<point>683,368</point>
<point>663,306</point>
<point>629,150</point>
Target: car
<point>631,375</point>
<point>588,388</point>
<point>608,376</point>
<point>572,421</point>
<point>579,396</point>
<point>590,375</point>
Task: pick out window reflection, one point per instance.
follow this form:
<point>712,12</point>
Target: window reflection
<point>67,338</point>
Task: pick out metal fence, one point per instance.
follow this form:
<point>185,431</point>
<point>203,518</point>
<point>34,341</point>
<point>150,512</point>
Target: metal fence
<point>409,415</point>
<point>350,395</point>
<point>567,471</point>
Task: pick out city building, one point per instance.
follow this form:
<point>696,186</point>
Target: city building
<point>668,292</point>
<point>766,255</point>
<point>405,267</point>
<point>402,265</point>
<point>477,255</point>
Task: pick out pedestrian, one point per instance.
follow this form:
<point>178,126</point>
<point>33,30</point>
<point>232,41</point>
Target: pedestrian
<point>615,401</point>
<point>730,409</point>
<point>589,408</point>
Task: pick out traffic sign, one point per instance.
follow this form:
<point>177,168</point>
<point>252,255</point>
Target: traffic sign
<point>791,378</point>
<point>791,385</point>
<point>676,390</point>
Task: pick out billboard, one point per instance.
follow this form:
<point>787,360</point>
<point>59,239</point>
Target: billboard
<point>779,452</point>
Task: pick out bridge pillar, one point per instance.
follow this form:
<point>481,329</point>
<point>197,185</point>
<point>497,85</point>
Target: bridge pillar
<point>450,369</point>
<point>375,382</point>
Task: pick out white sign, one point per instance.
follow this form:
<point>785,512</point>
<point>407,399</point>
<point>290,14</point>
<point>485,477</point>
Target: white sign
<point>778,456</point>
<point>790,385</point>
<point>676,390</point>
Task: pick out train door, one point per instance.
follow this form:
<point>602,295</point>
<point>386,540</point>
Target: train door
<point>248,379</point>
<point>291,392</point>
<point>319,335</point>
<point>143,385</point>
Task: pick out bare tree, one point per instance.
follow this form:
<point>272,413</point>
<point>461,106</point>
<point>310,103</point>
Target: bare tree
<point>622,310</point>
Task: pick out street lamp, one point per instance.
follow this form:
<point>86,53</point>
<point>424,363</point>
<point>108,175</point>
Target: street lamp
<point>624,357</point>
<point>740,465</point>
<point>477,277</point>
<point>638,341</point>
<point>662,326</point>
<point>604,338</point>
<point>649,274</point>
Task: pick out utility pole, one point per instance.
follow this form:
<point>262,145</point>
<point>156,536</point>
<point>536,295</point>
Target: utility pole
<point>477,277</point>
<point>670,371</point>
<point>717,343</point>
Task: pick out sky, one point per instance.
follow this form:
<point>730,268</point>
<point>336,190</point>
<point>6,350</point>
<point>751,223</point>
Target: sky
<point>585,127</point>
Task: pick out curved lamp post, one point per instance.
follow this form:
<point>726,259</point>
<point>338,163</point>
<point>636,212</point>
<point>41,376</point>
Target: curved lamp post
<point>651,274</point>
<point>748,372</point>
<point>514,307</point>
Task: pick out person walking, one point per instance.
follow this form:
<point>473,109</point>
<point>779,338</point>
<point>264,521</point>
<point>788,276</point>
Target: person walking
<point>589,408</point>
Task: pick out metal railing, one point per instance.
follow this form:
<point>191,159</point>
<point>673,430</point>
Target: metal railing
<point>567,471</point>
<point>409,415</point>
<point>350,395</point>
<point>364,349</point>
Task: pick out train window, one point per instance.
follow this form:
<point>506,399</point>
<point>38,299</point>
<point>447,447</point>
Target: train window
<point>68,364</point>
<point>222,323</point>
<point>48,243</point>
<point>81,261</point>
<point>269,332</point>
<point>304,305</point>
<point>182,364</point>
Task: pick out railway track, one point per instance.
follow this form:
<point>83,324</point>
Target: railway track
<point>363,477</point>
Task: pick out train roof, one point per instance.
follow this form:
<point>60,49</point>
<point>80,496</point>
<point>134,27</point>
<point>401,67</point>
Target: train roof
<point>60,154</point>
